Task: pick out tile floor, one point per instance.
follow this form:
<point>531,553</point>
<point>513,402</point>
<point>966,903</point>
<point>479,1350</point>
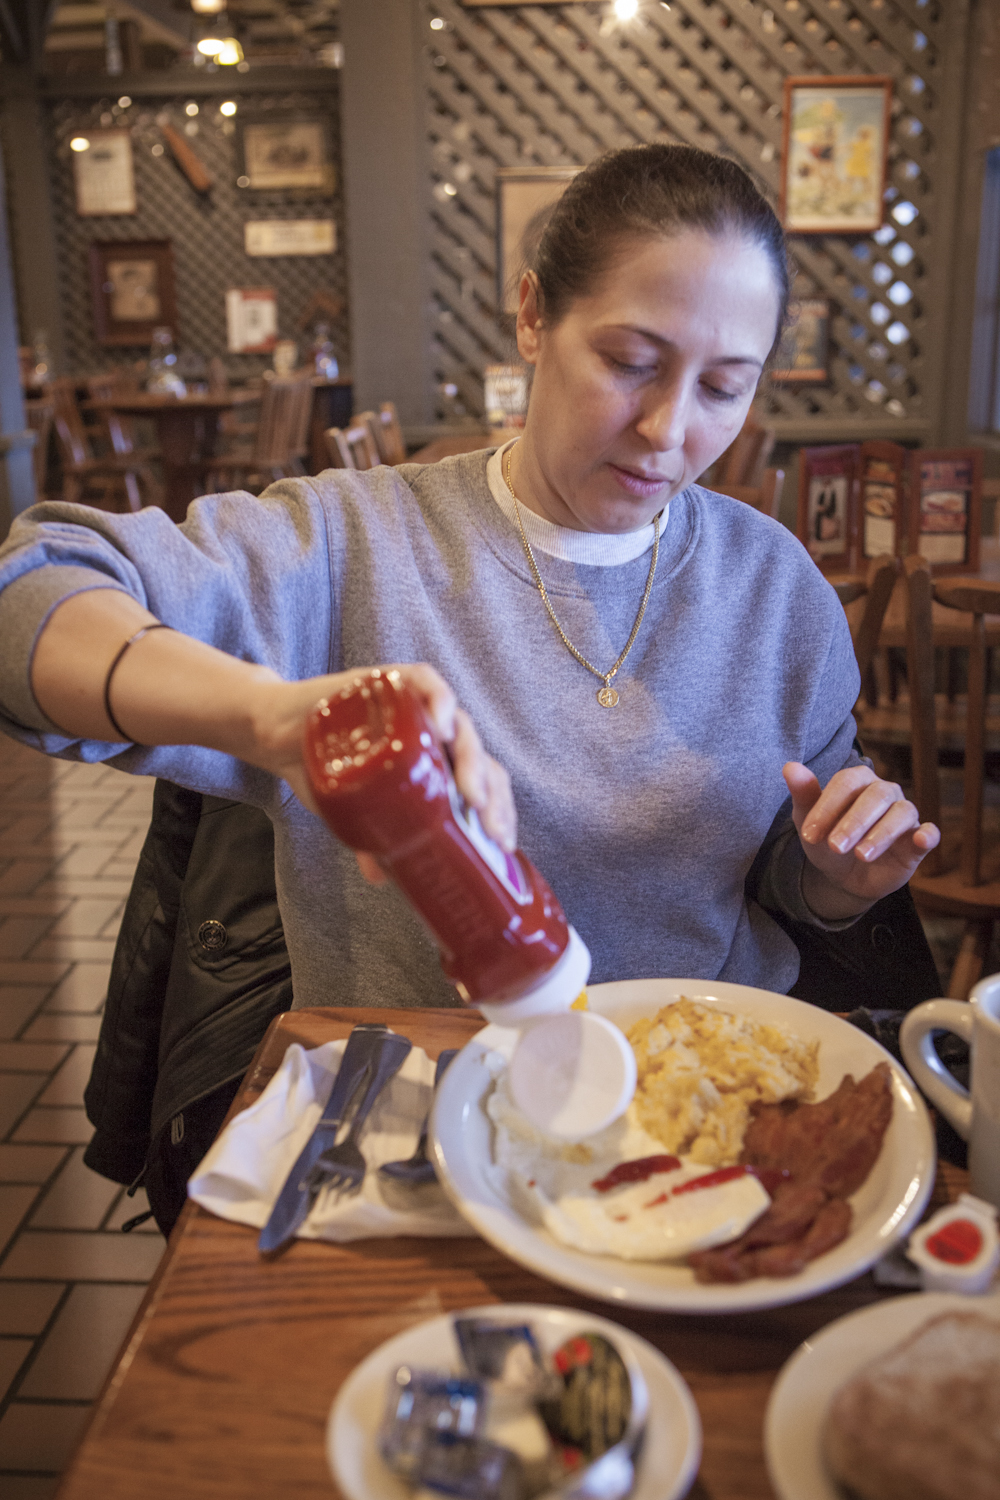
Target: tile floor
<point>70,1281</point>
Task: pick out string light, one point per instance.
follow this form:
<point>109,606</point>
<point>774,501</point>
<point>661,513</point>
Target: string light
<point>79,143</point>
<point>230,53</point>
<point>208,7</point>
<point>210,46</point>
<point>228,108</point>
<point>625,10</point>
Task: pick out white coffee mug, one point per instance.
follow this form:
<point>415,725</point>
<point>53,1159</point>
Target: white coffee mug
<point>975,1112</point>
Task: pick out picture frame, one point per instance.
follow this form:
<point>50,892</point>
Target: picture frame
<point>104,175</point>
<point>946,507</point>
<point>525,196</point>
<point>132,290</point>
<point>883,502</point>
<point>828,505</point>
<point>251,320</point>
<point>834,152</point>
<point>289,154</point>
<point>803,356</point>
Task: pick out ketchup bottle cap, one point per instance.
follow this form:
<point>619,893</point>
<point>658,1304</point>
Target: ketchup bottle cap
<point>572,1074</point>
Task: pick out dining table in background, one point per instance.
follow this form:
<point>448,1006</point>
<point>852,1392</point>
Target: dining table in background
<point>225,1381</point>
<point>186,432</point>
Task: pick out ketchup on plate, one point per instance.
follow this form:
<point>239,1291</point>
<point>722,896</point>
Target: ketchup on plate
<point>385,786</point>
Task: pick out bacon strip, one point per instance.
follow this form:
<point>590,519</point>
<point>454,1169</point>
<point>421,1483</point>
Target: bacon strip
<point>829,1149</point>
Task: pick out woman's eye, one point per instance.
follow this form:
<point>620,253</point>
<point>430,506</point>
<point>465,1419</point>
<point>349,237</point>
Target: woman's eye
<point>717,393</point>
<point>627,369</point>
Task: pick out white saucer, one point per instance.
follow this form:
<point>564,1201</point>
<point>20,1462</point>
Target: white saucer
<point>670,1454</point>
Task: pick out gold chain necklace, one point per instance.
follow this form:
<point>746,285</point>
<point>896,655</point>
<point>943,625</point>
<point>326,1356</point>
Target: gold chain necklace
<point>607,696</point>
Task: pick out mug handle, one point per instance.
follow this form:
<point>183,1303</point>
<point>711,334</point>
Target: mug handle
<point>917,1046</point>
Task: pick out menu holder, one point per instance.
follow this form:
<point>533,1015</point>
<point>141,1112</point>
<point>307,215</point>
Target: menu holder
<point>884,482</point>
<point>828,505</point>
<point>946,507</point>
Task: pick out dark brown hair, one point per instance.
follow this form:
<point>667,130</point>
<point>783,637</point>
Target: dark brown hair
<point>644,192</point>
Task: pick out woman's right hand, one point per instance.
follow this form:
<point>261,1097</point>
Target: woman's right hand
<point>282,709</point>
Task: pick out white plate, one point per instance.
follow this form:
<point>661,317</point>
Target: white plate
<point>885,1208</point>
<point>670,1454</point>
<point>803,1391</point>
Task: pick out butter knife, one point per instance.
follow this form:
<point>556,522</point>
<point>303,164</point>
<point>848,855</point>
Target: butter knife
<point>301,1187</point>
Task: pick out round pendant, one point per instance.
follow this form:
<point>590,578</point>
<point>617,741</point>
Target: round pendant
<point>607,697</point>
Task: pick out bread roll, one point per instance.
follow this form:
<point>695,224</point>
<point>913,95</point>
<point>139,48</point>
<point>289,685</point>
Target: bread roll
<point>922,1422</point>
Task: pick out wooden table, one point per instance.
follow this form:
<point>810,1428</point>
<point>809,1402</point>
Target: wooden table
<point>186,428</point>
<point>226,1379</point>
<point>472,442</point>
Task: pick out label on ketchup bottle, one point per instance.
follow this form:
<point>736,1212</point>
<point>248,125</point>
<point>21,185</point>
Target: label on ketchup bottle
<point>506,867</point>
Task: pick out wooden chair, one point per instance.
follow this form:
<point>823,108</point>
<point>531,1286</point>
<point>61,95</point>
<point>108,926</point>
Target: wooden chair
<point>352,447</point>
<point>39,415</point>
<point>272,455</point>
<point>110,475</point>
<point>961,878</point>
<point>387,432</point>
<point>765,496</point>
<point>876,590</point>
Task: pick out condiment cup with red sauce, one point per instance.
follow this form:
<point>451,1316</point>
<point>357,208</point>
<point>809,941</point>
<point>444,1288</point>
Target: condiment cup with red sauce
<point>958,1249</point>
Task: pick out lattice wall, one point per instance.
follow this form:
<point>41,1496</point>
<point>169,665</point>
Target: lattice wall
<point>555,85</point>
<point>207,233</point>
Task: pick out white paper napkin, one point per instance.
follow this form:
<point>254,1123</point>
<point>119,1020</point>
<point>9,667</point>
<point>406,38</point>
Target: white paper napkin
<point>246,1168</point>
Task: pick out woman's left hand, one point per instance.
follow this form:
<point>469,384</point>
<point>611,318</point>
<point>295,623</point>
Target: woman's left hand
<point>861,837</point>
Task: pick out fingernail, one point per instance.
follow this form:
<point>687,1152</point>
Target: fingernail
<point>809,834</point>
<point>840,844</point>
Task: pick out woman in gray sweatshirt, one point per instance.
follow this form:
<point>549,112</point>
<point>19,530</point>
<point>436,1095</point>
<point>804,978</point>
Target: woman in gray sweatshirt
<point>659,673</point>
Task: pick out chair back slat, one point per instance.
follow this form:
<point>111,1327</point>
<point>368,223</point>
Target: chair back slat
<point>70,432</point>
<point>116,430</point>
<point>765,496</point>
<point>879,584</point>
<point>352,447</point>
<point>920,674</point>
<point>280,423</point>
<point>388,434</point>
<point>975,757</point>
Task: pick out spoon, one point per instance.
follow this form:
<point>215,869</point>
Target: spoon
<point>417,1168</point>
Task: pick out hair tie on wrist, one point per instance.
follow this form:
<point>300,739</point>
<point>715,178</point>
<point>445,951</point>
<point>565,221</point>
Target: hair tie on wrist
<point>159,625</point>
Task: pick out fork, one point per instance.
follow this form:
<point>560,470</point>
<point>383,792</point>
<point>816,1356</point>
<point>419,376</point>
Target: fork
<point>342,1167</point>
<point>417,1169</point>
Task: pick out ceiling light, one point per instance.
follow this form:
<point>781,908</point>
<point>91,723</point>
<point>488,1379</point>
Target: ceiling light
<point>437,24</point>
<point>79,143</point>
<point>191,109</point>
<point>208,7</point>
<point>124,102</point>
<point>625,9</point>
<point>230,53</point>
<point>211,46</point>
<point>228,108</point>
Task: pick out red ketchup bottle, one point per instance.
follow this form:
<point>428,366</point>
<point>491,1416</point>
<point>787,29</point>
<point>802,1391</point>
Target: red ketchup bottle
<point>385,786</point>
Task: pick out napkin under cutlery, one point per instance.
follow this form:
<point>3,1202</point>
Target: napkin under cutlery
<point>245,1169</point>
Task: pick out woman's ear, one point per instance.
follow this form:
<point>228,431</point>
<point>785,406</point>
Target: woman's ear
<point>529,318</point>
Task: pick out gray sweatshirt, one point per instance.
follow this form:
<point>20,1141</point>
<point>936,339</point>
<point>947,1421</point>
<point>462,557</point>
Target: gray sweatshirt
<point>644,818</point>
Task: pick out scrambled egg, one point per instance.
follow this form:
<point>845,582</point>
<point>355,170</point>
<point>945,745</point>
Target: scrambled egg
<point>700,1070</point>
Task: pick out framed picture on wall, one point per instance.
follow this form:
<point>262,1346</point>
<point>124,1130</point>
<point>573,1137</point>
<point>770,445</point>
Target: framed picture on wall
<point>525,198</point>
<point>103,175</point>
<point>802,357</point>
<point>251,320</point>
<point>290,154</point>
<point>945,507</point>
<point>833,154</point>
<point>828,505</point>
<point>132,288</point>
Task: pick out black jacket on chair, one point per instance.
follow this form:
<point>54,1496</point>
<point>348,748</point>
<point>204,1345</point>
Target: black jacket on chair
<point>199,972</point>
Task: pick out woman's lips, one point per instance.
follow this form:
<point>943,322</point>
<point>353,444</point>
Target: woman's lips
<point>635,484</point>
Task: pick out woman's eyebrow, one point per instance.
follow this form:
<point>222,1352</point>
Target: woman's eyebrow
<point>657,338</point>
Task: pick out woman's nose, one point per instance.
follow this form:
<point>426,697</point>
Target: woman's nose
<point>664,424</point>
